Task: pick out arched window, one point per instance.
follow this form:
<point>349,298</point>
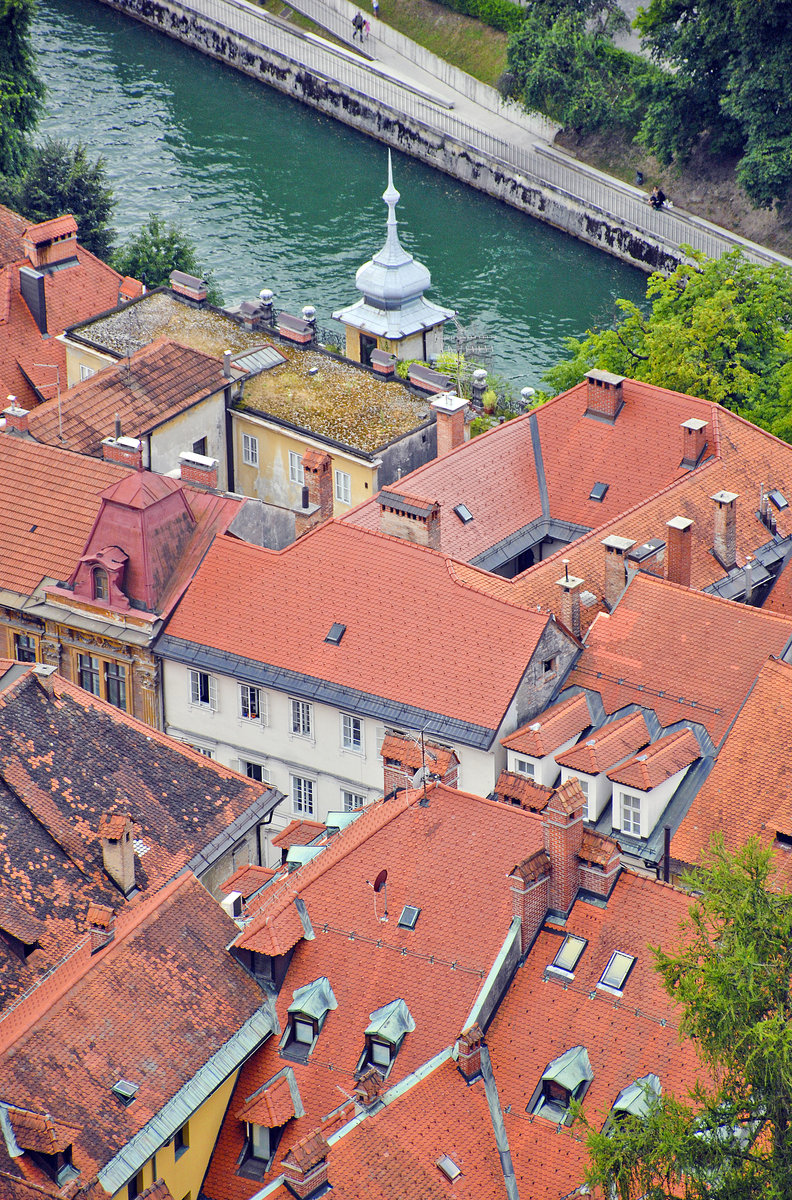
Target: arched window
<point>101,585</point>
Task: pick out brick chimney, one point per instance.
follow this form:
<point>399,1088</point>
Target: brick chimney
<point>679,550</point>
<point>101,925</point>
<point>451,428</point>
<point>118,850</point>
<point>570,600</point>
<point>368,1088</point>
<point>615,567</point>
<point>16,418</point>
<point>189,286</point>
<point>604,398</point>
<point>562,828</point>
<point>410,517</point>
<point>319,481</point>
<point>469,1046</point>
<point>126,451</point>
<point>694,442</point>
<point>305,1166</point>
<point>50,241</point>
<point>600,863</point>
<point>530,892</point>
<point>198,470</point>
<point>725,540</point>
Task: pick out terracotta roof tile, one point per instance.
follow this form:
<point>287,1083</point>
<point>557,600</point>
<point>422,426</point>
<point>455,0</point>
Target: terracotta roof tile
<point>438,759</point>
<point>55,227</point>
<point>247,879</point>
<point>533,868</point>
<point>39,1131</point>
<point>658,762</point>
<point>597,848</point>
<point>512,788</point>
<point>299,832</point>
<point>604,747</point>
<point>270,1106</point>
<point>551,728</point>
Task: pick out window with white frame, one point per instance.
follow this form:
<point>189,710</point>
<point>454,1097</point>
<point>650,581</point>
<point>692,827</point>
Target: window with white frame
<point>203,750</point>
<point>86,372</point>
<point>351,733</point>
<point>301,718</point>
<point>343,487</point>
<point>352,801</point>
<point>203,690</point>
<point>296,472</point>
<point>524,767</point>
<point>254,770</point>
<point>631,814</point>
<point>250,450</point>
<point>252,703</point>
<point>302,791</point>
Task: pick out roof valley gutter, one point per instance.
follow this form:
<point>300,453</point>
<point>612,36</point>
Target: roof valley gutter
<point>498,1125</point>
<point>539,464</point>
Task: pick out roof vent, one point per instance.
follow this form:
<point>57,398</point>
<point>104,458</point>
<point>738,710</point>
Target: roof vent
<point>464,513</point>
<point>598,491</point>
<point>409,917</point>
<point>448,1167</point>
<point>778,499</point>
<point>336,633</point>
<point>125,1091</point>
<point>537,725</point>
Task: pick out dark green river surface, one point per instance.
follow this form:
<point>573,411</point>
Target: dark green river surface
<point>276,195</point>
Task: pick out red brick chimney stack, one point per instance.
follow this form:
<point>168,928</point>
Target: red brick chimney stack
<point>126,451</point>
<point>305,1166</point>
<point>319,481</point>
<point>615,567</point>
<point>604,395</point>
<point>530,892</point>
<point>198,470</point>
<point>679,550</point>
<point>451,428</point>
<point>562,827</point>
<point>725,540</point>
<point>694,442</point>
<point>570,599</point>
<point>118,849</point>
<point>469,1046</point>
<point>410,517</point>
<point>16,418</point>
<point>101,924</point>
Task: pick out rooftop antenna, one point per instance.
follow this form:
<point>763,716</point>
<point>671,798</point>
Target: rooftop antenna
<point>56,369</point>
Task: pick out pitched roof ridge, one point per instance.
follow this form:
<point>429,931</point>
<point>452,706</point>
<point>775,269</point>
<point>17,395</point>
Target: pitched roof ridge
<point>644,579</point>
<point>634,875</point>
<point>451,565</point>
<point>12,692</point>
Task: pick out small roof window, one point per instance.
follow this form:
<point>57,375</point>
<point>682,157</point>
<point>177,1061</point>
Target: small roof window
<point>598,491</point>
<point>125,1091</point>
<point>448,1167</point>
<point>337,631</point>
<point>778,499</point>
<point>409,917</point>
<point>307,1013</point>
<point>464,513</point>
<point>615,974</point>
<point>568,955</point>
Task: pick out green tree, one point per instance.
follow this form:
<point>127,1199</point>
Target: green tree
<point>731,78</point>
<point>731,1139</point>
<point>156,250</point>
<point>720,329</point>
<point>21,91</point>
<point>60,178</point>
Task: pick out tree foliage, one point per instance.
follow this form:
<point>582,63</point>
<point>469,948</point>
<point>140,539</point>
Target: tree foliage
<point>157,249</point>
<point>731,76</point>
<point>60,178</point>
<point>731,1139</point>
<point>720,329</point>
<point>21,91</point>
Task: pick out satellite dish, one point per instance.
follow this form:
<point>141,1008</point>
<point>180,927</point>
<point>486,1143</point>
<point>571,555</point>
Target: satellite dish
<point>381,880</point>
<point>420,776</point>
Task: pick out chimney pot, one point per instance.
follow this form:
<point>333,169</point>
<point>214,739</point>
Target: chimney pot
<point>679,550</point>
<point>452,430</point>
<point>227,363</point>
<point>725,539</point>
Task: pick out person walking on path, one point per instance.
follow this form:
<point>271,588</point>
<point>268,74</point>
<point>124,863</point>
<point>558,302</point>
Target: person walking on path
<point>375,7</point>
<point>357,22</point>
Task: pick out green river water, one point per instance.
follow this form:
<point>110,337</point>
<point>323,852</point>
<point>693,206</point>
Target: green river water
<point>276,195</point>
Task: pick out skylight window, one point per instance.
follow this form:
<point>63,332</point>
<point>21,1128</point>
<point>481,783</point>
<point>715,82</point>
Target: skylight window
<point>615,974</point>
<point>464,513</point>
<point>448,1167</point>
<point>409,916</point>
<point>778,499</point>
<point>568,955</point>
<point>336,633</point>
<point>125,1091</point>
<point>598,491</point>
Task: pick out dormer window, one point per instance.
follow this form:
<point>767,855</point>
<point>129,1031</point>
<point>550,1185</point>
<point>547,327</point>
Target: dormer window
<point>101,585</point>
<point>307,1014</point>
<point>266,1114</point>
<point>384,1036</point>
<point>637,1099</point>
<point>565,1079</point>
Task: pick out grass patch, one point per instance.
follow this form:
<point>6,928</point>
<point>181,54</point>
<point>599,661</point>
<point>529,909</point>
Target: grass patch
<point>463,41</point>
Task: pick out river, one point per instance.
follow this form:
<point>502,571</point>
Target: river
<point>276,195</point>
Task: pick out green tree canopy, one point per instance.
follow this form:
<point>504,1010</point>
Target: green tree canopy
<point>731,76</point>
<point>60,178</point>
<point>731,1139</point>
<point>720,329</point>
<point>158,249</point>
<point>21,91</point>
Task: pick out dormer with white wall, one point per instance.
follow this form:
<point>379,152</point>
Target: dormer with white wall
<point>590,760</point>
<point>645,783</point>
<point>531,750</point>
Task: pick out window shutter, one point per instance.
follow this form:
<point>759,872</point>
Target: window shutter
<point>195,688</point>
<point>264,706</point>
<point>213,693</point>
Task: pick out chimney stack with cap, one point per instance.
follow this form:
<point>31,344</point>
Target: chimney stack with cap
<point>562,828</point>
<point>16,418</point>
<point>725,540</point>
<point>694,442</point>
<point>450,410</point>
<point>615,567</point>
<point>118,849</point>
<point>305,1166</point>
<point>198,470</point>
<point>679,550</point>
<point>126,451</point>
<point>604,395</point>
<point>410,517</point>
<point>469,1046</point>
<point>319,478</point>
<point>101,925</point>
<point>570,600</point>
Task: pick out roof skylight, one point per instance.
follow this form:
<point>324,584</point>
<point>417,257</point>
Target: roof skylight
<point>568,955</point>
<point>615,974</point>
<point>125,1091</point>
<point>448,1167</point>
<point>778,499</point>
<point>337,631</point>
<point>464,513</point>
<point>409,916</point>
<point>598,491</point>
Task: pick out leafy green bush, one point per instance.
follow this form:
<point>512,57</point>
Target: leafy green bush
<point>500,14</point>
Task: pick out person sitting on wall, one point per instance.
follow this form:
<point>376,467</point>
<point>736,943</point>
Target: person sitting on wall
<point>657,198</point>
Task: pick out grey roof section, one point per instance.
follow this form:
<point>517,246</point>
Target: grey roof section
<point>533,425</point>
<point>753,582</point>
<point>163,1125</point>
<point>498,1125</point>
<point>314,999</point>
<point>307,687</point>
<point>640,1097</point>
<point>391,1022</point>
<point>570,1069</point>
<point>228,837</point>
<point>525,538</point>
<point>387,497</point>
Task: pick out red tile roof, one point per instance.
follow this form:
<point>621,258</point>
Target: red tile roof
<point>298,832</point>
<point>394,598</point>
<point>54,227</point>
<point>684,654</point>
<point>747,793</point>
<point>512,788</point>
<point>604,747</point>
<point>38,1131</point>
<point>658,762</point>
<point>407,751</point>
<point>155,384</point>
<point>12,226</point>
<point>247,880</point>
<point>271,1105</point>
<point>443,859</point>
<point>551,728</point>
